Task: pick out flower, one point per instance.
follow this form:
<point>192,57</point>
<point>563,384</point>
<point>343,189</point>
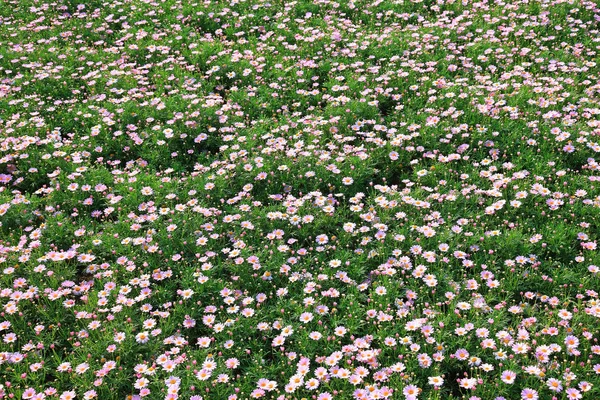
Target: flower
<point>529,394</point>
<point>508,377</point>
<point>410,392</point>
<point>436,381</point>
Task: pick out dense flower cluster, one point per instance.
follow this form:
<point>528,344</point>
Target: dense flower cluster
<point>321,199</point>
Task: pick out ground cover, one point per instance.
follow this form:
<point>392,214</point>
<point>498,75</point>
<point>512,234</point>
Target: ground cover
<point>299,200</point>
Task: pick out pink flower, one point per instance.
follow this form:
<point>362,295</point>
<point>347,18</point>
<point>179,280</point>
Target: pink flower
<point>529,394</point>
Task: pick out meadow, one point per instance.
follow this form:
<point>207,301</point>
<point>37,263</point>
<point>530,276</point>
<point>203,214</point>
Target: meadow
<point>310,199</point>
